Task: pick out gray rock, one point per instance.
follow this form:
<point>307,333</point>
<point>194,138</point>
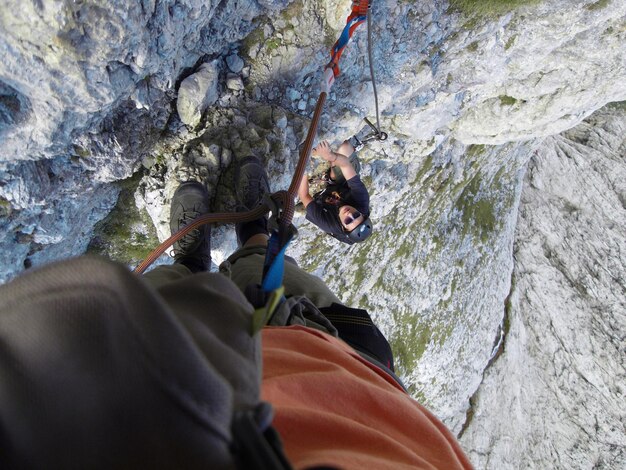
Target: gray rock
<point>563,357</point>
<point>254,50</point>
<point>289,36</point>
<point>148,162</point>
<point>197,92</point>
<point>235,63</point>
<point>38,192</point>
<point>281,122</point>
<point>234,82</point>
<point>275,5</point>
<point>280,23</point>
<point>293,94</point>
<point>100,57</point>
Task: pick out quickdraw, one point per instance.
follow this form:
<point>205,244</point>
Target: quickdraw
<point>281,235</point>
<point>375,134</point>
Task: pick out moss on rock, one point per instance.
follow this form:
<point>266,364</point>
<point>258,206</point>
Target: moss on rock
<point>127,234</point>
<point>477,211</point>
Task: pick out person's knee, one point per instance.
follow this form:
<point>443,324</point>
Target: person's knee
<point>260,239</point>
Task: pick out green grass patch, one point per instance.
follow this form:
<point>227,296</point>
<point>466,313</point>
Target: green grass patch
<point>409,341</point>
<point>359,258</point>
<point>272,44</point>
<point>471,23</point>
<point>509,43</point>
<point>5,207</point>
<point>473,47</point>
<point>410,338</point>
<point>489,7</point>
<point>426,166</point>
<point>506,100</point>
<point>599,5</point>
<point>251,40</point>
<point>475,150</point>
<point>508,307</point>
<point>617,105</point>
<point>81,152</point>
<point>478,214</point>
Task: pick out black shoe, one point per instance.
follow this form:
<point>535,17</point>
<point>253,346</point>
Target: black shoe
<point>190,201</point>
<point>251,184</point>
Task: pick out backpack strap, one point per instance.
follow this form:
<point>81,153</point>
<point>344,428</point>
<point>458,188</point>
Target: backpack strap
<point>256,444</point>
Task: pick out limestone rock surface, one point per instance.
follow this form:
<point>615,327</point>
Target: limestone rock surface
<point>197,92</point>
<point>554,397</point>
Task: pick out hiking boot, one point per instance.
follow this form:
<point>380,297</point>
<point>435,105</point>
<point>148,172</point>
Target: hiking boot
<point>251,184</point>
<point>190,201</point>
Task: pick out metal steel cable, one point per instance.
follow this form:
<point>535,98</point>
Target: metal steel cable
<point>371,64</point>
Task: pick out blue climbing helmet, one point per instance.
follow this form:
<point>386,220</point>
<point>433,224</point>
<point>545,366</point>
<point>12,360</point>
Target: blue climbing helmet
<point>362,232</point>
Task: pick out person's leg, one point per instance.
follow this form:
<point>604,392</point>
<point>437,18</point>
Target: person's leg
<point>190,201</point>
<point>164,274</point>
<point>245,267</point>
<point>251,184</point>
<point>168,366</point>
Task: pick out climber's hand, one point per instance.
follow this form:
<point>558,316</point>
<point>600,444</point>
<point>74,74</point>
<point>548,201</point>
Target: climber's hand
<point>324,151</point>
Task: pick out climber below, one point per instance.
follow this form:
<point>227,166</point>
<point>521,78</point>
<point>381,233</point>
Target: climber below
<point>341,209</point>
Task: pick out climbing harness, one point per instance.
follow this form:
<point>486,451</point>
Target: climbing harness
<point>270,294</point>
<point>282,203</point>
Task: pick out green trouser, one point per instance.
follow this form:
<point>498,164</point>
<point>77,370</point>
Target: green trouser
<point>245,267</point>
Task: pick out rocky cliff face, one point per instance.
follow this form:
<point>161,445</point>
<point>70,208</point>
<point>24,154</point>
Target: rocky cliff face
<point>172,90</point>
<point>556,390</point>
